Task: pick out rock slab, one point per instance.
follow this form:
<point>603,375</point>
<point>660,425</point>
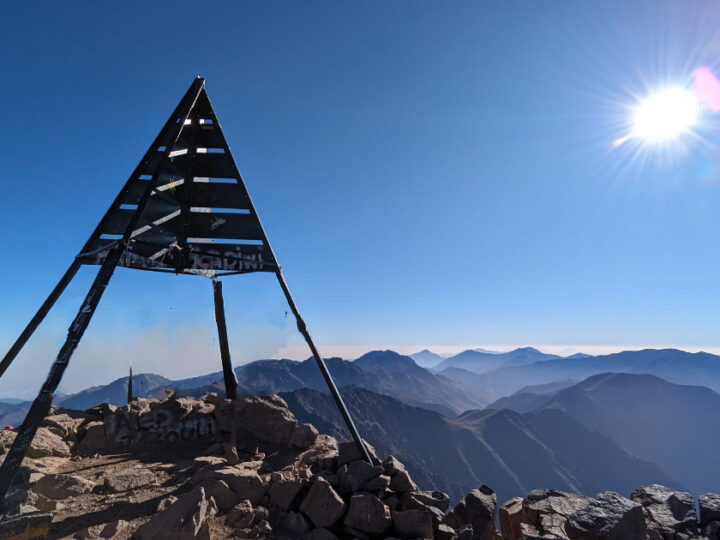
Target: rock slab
<point>323,505</point>
<point>476,509</point>
<point>367,513</point>
<point>185,519</point>
<point>608,517</point>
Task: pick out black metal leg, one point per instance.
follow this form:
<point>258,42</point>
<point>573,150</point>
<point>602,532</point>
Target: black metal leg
<point>324,370</point>
<point>41,405</point>
<point>39,316</point>
<point>228,374</point>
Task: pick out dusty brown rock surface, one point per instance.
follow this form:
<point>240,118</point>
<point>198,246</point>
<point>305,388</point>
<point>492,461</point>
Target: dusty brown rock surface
<point>158,469</point>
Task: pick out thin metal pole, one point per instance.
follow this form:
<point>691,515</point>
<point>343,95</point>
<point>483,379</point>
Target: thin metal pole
<point>228,375</point>
<point>302,327</point>
<point>130,391</point>
<point>39,316</point>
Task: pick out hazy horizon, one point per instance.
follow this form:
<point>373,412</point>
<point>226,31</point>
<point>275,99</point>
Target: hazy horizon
<point>208,361</point>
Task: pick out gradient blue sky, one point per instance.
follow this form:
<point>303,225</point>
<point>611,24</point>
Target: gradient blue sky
<point>429,173</point>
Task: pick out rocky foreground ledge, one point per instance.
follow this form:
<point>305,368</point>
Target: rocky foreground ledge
<point>164,470</point>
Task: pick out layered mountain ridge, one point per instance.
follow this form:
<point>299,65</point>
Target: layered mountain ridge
<point>650,430</point>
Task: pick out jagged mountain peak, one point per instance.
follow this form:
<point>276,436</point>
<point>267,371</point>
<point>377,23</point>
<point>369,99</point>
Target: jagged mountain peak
<point>386,358</point>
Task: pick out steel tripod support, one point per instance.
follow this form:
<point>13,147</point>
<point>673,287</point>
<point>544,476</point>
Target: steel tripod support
<point>39,316</point>
<point>41,406</point>
<point>302,328</point>
<point>228,374</point>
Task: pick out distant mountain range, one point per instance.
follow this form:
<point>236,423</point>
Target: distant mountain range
<point>385,372</point>
<point>564,423</point>
<point>511,452</point>
<point>479,361</point>
<point>497,375</point>
<point>670,364</point>
<point>427,359</point>
<point>675,426</point>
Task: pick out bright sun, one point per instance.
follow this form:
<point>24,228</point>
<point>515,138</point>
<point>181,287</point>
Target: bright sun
<point>665,115</point>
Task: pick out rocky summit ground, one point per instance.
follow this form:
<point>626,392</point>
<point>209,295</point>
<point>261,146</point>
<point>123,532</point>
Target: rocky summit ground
<point>166,470</point>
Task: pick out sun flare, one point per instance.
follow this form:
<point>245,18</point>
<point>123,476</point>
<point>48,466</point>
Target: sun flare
<point>665,115</point>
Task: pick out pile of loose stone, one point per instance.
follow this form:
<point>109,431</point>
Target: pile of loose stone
<point>165,469</point>
<point>652,512</point>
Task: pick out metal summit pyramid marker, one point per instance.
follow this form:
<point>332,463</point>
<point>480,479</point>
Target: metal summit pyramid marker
<point>185,209</point>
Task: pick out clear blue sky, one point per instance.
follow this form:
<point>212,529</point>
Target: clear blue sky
<point>429,173</point>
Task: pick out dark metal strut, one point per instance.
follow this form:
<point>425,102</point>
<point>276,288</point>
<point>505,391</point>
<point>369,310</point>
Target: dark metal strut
<point>228,375</point>
<point>302,328</point>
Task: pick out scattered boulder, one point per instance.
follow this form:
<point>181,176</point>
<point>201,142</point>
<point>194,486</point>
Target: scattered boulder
<point>543,512</point>
<point>392,465</point>
<point>62,486</point>
<point>64,425</point>
<point>402,482</point>
<point>92,439</point>
<point>367,513</point>
<point>187,518</point>
<point>304,436</point>
<point>511,519</point>
<point>438,499</point>
<point>20,498</point>
<point>379,483</point>
<point>265,419</point>
<point>709,508</point>
<point>241,515</point>
<point>244,482</point>
<point>477,509</point>
<point>225,498</point>
<point>126,479</point>
<point>668,513</point>
<point>608,517</point>
<point>408,501</point>
<point>323,505</point>
<point>7,437</point>
<point>284,493</point>
<point>351,477</point>
<point>46,443</point>
<point>412,524</point>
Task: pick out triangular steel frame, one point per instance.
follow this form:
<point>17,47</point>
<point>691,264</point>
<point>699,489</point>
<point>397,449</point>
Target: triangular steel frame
<point>184,209</point>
